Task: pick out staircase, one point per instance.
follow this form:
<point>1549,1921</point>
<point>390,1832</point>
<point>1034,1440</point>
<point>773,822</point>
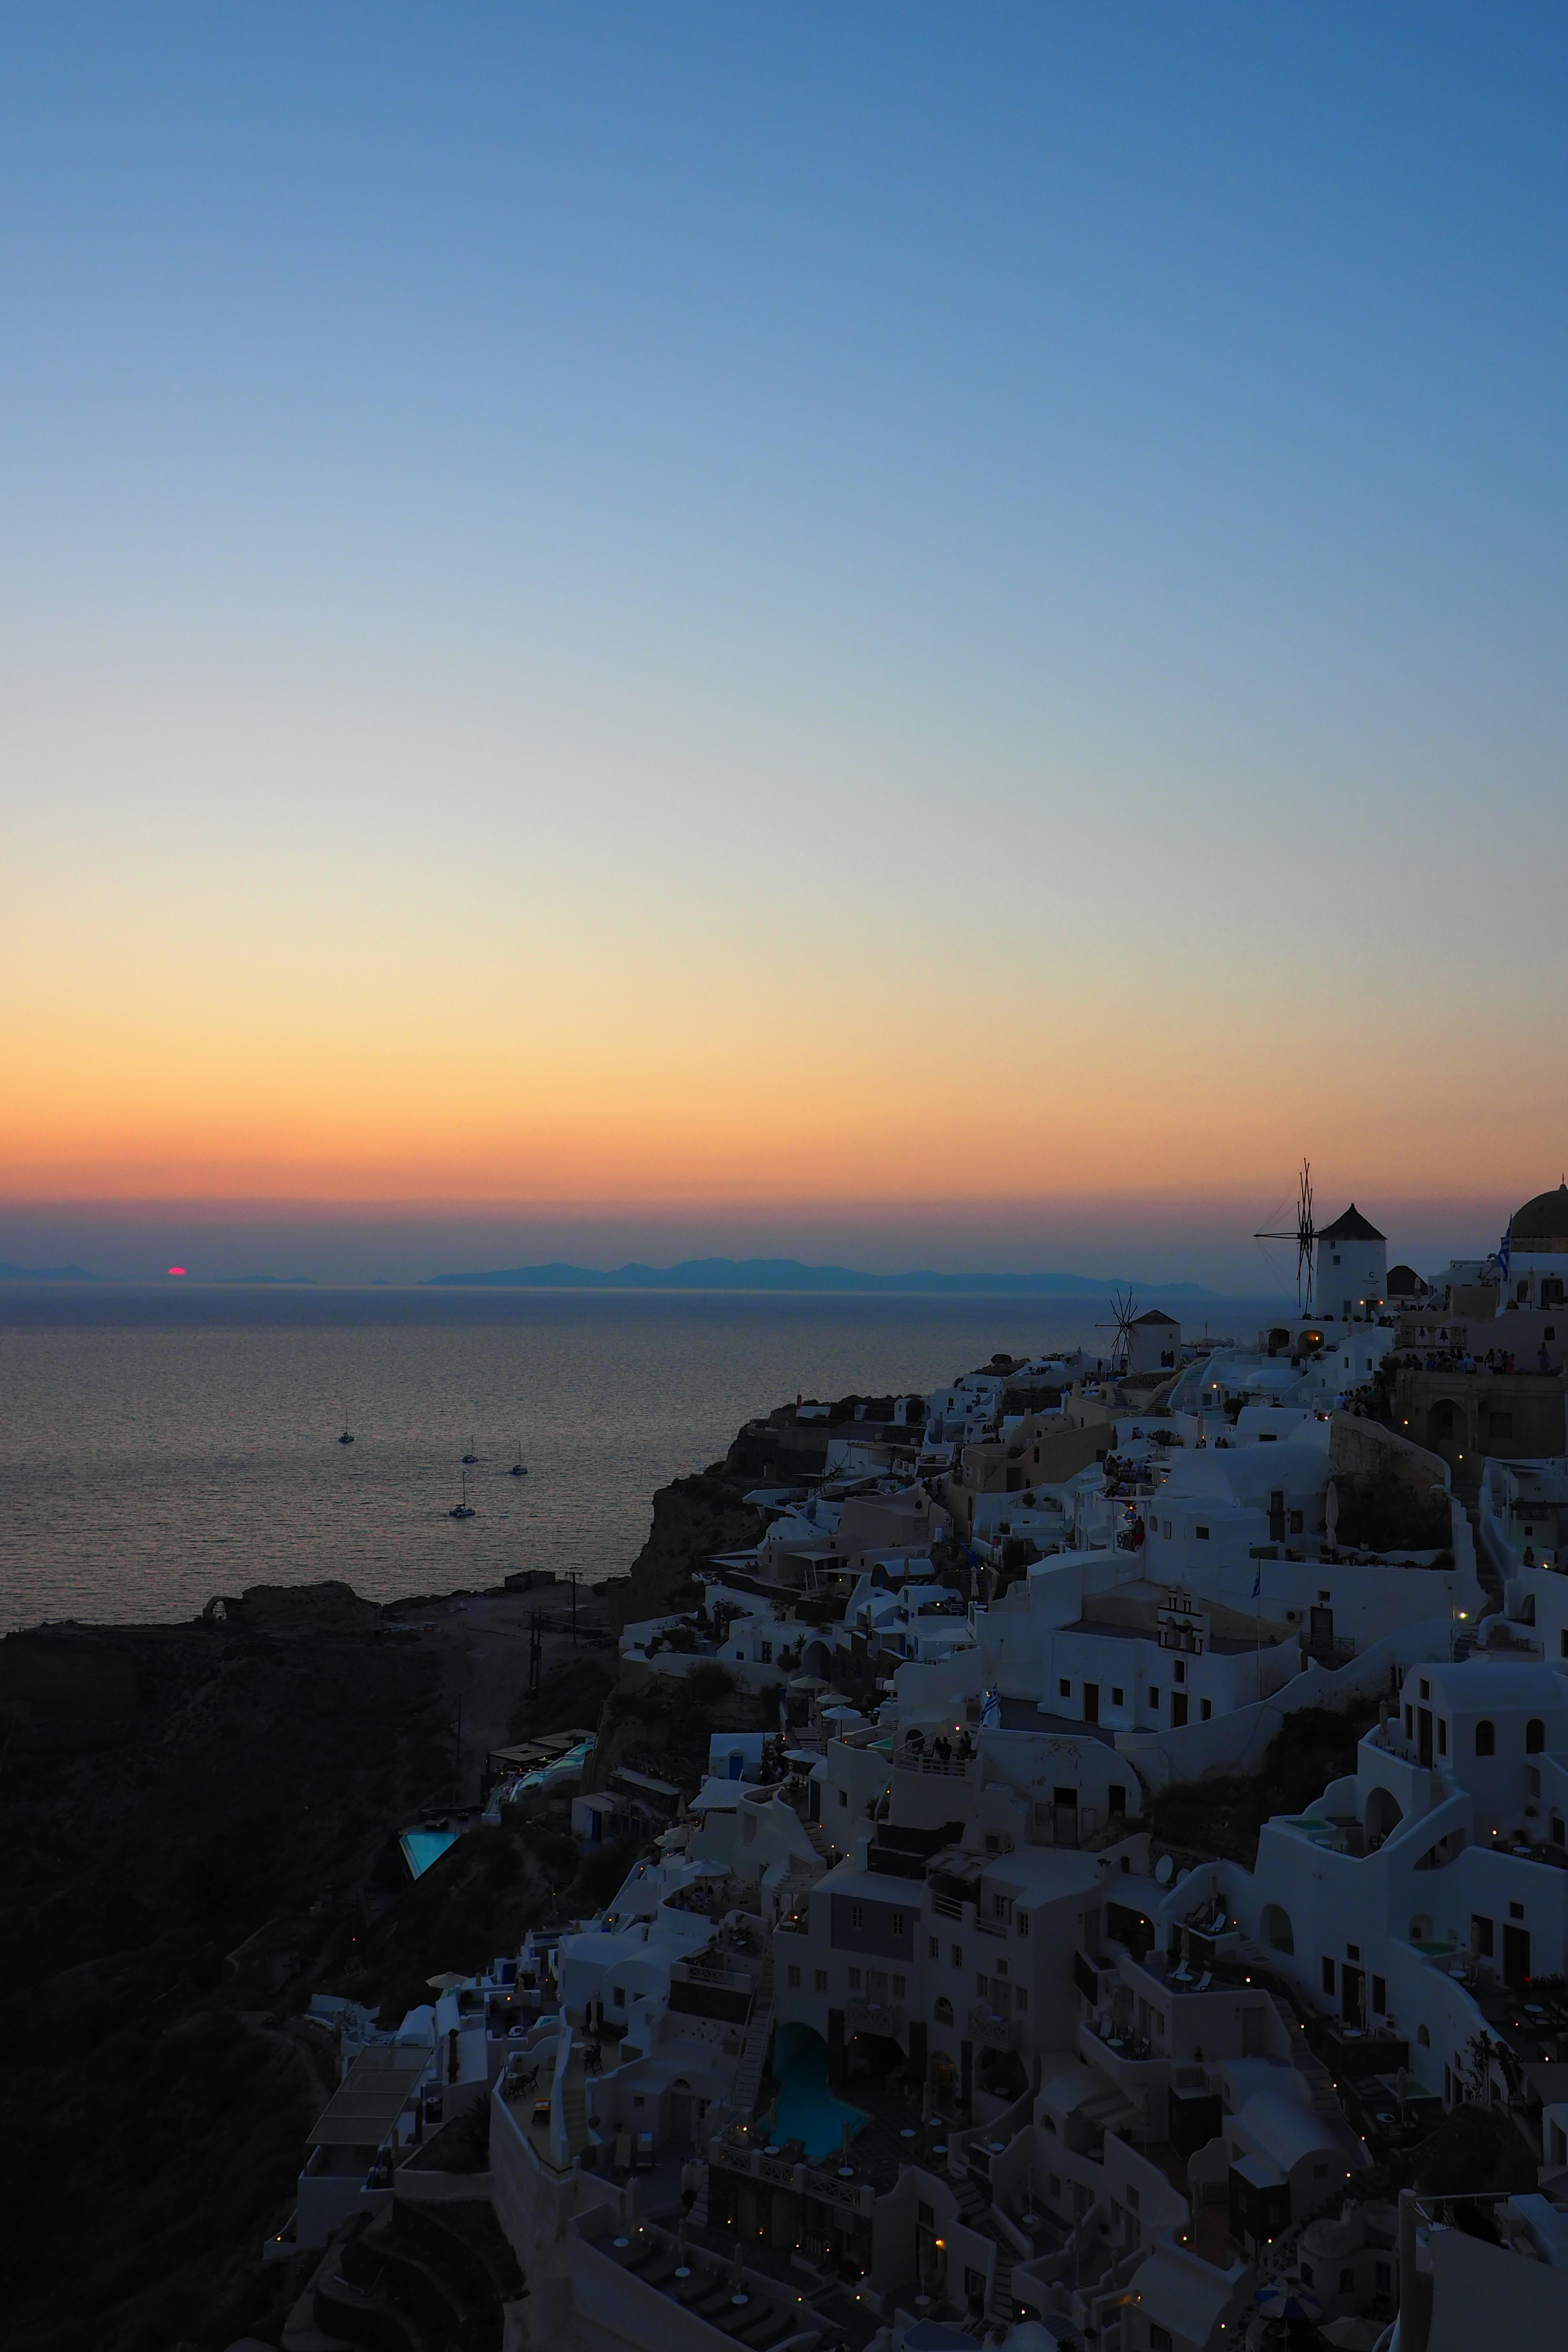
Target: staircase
<point>755,2048</point>
<point>975,2207</point>
<point>817,1837</point>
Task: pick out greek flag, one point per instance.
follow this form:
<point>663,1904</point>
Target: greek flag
<point>1505,1250</point>
<point>990,1712</point>
<point>1257,1581</point>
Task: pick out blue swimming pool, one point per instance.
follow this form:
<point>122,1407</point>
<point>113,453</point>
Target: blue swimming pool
<point>422,1847</point>
<point>807,2110</point>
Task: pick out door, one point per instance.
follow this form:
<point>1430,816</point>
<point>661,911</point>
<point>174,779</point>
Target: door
<point>1516,1955</point>
<point>1423,1735</point>
<point>1351,1981</point>
<point>1091,1702</point>
<point>877,1986</point>
<point>1178,1709</point>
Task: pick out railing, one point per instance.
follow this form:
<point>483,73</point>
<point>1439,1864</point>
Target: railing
<point>952,1767</point>
<point>995,2032</point>
<point>874,2017</point>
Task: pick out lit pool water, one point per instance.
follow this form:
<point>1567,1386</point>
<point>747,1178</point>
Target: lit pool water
<point>807,2110</point>
<point>422,1847</point>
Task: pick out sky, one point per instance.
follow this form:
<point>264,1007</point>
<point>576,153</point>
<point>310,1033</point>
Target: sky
<point>821,626</point>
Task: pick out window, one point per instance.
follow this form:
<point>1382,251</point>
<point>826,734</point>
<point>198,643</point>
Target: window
<point>1442,1735</point>
<point>1480,1936</point>
<point>1154,1696</point>
<point>819,1981</point>
<point>639,2100</point>
<point>898,1988</point>
<point>1205,1710</point>
<point>854,1979</point>
<point>1297,1522</point>
<point>1202,1534</point>
<point>1159,2338</point>
<point>1117,1795</point>
<point>1534,1736</point>
<point>983,1987</point>
<point>1064,1688</point>
<point>1328,1976</point>
<point>1379,1996</point>
<point>794,1977</point>
<point>998,1906</point>
<point>943,2011</point>
<point>925,2217</point>
<point>900,1923</point>
<point>844,1796</point>
<point>1409,1723</point>
<point>1516,1910</point>
<point>856,1916</point>
<point>933,1948</point>
<point>1485,1739</point>
<point>1116,1697</point>
<point>958,1955</point>
<point>1425,1687</point>
<point>1020,1918</point>
<point>765,1654</point>
<point>1180,1670</point>
<point>1020,1998</point>
<point>1352,1951</point>
<point>619,1995</point>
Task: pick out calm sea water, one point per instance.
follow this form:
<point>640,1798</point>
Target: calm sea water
<point>158,1446</point>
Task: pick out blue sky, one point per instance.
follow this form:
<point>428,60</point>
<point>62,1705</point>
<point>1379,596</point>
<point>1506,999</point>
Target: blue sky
<point>549,555</point>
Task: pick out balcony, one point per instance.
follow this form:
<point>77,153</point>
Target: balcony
<point>883,2017</point>
<point>993,2032</point>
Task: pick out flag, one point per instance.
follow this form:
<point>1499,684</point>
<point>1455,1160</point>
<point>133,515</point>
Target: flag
<point>1505,1250</point>
<point>1257,1581</point>
<point>990,1712</point>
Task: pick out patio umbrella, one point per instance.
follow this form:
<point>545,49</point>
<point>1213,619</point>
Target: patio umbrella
<point>1278,2301</point>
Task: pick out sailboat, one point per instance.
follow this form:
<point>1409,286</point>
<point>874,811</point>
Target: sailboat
<point>470,1456</point>
<point>348,1437</point>
<point>518,1468</point>
<point>465,1509</point>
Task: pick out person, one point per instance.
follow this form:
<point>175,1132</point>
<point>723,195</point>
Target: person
<point>1545,1358</point>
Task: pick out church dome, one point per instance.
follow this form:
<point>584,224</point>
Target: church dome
<point>1543,1223</point>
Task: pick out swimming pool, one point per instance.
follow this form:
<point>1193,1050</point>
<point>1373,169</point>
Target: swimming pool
<point>422,1847</point>
<point>807,2110</point>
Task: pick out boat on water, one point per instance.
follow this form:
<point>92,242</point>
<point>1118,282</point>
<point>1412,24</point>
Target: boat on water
<point>471,1456</point>
<point>463,1510</point>
<point>348,1437</point>
<point>518,1468</point>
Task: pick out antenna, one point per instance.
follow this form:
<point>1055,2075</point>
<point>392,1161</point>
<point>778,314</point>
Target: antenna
<point>1304,1234</point>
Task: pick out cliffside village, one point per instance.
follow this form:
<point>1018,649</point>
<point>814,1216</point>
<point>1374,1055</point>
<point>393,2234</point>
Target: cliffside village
<point>907,2030</point>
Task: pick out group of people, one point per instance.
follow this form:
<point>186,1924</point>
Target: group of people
<point>940,1749</point>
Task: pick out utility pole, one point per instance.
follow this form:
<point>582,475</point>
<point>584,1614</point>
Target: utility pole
<point>573,1574</point>
<point>535,1653</point>
<point>458,1757</point>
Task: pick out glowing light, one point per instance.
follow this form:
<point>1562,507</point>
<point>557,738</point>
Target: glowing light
<point>176,1269</point>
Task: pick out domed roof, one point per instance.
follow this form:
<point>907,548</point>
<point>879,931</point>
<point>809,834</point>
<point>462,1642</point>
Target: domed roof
<point>1544,1222</point>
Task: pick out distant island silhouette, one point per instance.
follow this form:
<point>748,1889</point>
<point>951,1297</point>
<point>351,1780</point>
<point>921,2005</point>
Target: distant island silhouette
<point>789,1273</point>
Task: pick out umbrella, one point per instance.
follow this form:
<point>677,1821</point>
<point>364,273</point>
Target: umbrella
<point>1280,2302</point>
<point>448,1981</point>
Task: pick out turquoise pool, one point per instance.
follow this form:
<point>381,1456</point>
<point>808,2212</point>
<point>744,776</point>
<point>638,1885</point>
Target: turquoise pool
<point>422,1847</point>
<point>807,2110</point>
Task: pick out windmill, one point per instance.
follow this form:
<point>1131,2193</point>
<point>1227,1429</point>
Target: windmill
<point>1304,1234</point>
<point>1122,1311</point>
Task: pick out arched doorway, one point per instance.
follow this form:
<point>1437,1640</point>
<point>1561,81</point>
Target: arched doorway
<point>1383,1815</point>
<point>1277,1933</point>
<point>1447,1431</point>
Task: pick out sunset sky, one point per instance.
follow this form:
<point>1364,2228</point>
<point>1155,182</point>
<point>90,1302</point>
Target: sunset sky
<point>868,627</point>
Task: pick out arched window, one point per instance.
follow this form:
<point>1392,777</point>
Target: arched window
<point>942,2012</point>
<point>1424,2036</point>
<point>1485,1739</point>
<point>1534,1736</point>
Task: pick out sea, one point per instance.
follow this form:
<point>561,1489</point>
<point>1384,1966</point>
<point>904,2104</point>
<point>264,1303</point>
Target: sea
<point>160,1446</point>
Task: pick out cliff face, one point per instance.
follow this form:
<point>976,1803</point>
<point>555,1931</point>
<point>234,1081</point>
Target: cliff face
<point>692,1518</point>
